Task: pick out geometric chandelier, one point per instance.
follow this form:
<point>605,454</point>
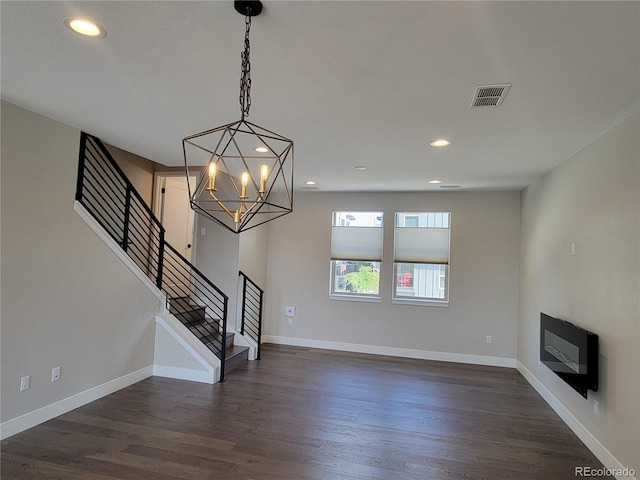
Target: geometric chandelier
<point>245,171</point>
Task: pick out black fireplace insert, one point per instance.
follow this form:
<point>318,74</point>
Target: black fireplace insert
<point>571,352</point>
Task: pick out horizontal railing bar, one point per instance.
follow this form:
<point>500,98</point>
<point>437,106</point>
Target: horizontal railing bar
<point>200,274</point>
<point>251,328</point>
<point>126,180</point>
<point>94,180</point>
<point>251,281</point>
<point>107,201</point>
<point>253,303</point>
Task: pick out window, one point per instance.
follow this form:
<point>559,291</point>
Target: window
<point>421,257</point>
<point>356,253</point>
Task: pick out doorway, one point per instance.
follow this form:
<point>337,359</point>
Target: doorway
<point>172,208</point>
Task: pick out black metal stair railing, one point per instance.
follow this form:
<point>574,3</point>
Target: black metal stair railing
<point>107,194</point>
<point>251,315</point>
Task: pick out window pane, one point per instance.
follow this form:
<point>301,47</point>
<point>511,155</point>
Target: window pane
<point>421,255</point>
<point>418,280</point>
<point>356,252</point>
<point>357,219</point>
<point>360,278</point>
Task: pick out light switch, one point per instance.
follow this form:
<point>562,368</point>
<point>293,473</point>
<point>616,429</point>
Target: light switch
<point>289,311</point>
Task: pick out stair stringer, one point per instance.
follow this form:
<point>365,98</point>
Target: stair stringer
<point>179,354</point>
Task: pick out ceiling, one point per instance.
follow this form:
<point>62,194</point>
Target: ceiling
<point>352,83</point>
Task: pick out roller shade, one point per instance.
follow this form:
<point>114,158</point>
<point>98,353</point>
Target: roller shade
<point>356,243</point>
<point>422,245</point>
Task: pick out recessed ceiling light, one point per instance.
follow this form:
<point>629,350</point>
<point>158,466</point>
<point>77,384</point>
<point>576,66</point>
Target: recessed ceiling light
<point>441,142</point>
<point>261,149</point>
<point>360,167</point>
<point>435,182</point>
<point>310,182</point>
<point>85,27</point>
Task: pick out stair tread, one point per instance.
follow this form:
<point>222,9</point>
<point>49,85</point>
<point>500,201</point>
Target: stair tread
<point>183,305</point>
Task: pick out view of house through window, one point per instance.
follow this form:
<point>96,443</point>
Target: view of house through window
<point>421,256</point>
<point>356,253</point>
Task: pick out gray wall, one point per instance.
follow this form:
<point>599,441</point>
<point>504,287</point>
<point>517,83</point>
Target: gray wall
<point>66,299</point>
<point>592,200</point>
<point>217,259</point>
<point>483,279</point>
<point>138,170</point>
<point>252,252</point>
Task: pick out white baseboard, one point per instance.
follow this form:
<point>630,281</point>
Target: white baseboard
<point>600,451</point>
<point>393,351</point>
<point>31,419</point>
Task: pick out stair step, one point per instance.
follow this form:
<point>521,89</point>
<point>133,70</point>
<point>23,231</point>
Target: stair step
<point>209,334</point>
<point>207,330</point>
<point>235,356</point>
<point>194,314</point>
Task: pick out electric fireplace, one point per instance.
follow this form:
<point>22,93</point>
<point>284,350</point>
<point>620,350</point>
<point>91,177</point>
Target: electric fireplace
<point>571,352</point>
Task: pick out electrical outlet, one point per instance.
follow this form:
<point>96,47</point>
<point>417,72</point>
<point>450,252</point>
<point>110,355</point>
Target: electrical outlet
<point>55,374</point>
<point>595,407</point>
<point>25,383</point>
<point>290,321</point>
<point>488,338</point>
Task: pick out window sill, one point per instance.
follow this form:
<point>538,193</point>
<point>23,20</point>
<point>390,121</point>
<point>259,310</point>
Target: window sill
<point>355,298</point>
<point>420,303</point>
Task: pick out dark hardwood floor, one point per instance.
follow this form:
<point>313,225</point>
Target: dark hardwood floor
<point>310,414</point>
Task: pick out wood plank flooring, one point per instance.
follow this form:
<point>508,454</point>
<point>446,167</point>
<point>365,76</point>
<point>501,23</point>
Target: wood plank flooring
<point>310,414</point>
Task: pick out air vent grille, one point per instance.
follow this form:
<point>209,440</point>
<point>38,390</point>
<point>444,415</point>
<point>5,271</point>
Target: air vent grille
<point>490,95</point>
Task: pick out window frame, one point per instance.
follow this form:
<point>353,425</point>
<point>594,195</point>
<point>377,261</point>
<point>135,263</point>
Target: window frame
<point>397,298</point>
<point>333,263</point>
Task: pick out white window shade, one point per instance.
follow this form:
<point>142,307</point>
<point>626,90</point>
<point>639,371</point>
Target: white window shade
<point>422,245</point>
<point>356,243</point>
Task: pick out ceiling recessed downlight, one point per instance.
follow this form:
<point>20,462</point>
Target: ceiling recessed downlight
<point>441,142</point>
<point>435,182</point>
<point>85,27</point>
<point>310,182</point>
<point>261,149</point>
<point>360,167</point>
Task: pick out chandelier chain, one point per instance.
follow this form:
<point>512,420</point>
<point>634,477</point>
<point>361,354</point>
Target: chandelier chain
<point>245,78</point>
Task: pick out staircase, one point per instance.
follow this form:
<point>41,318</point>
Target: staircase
<point>111,201</point>
<point>206,329</point>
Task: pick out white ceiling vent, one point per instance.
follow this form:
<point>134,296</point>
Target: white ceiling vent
<point>490,95</point>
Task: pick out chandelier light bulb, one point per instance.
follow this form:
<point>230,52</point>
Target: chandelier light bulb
<point>212,176</point>
<point>243,182</point>
<point>264,174</point>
